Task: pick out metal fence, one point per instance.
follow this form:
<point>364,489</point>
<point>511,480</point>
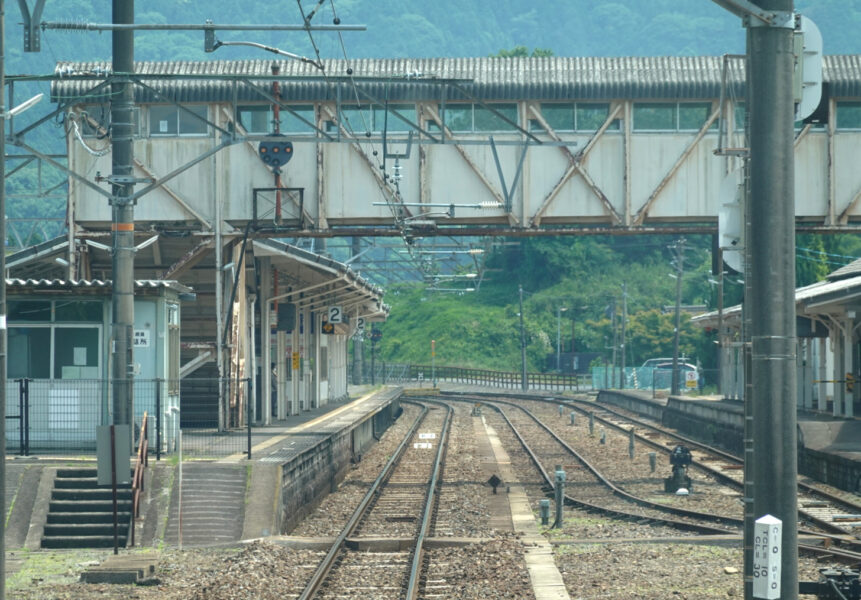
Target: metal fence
<point>652,379</point>
<point>420,374</point>
<point>60,416</point>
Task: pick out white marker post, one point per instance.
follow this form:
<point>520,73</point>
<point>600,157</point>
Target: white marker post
<point>767,535</point>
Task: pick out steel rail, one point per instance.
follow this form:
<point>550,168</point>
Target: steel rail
<point>683,525</point>
<point>415,569</point>
<point>835,533</point>
<point>324,568</point>
<point>726,479</point>
<point>325,565</point>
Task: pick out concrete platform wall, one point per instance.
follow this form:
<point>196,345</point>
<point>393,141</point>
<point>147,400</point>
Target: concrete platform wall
<point>308,477</point>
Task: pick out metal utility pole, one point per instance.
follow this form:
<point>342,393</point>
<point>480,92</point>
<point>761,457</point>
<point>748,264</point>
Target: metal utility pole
<point>771,255</point>
<point>122,208</point>
<point>680,269</point>
<point>523,384</point>
<point>624,322</point>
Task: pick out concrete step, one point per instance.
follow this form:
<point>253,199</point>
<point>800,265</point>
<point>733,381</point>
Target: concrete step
<point>67,483</point>
<point>86,529</point>
<point>83,541</point>
<point>68,472</point>
<point>59,518</point>
<point>89,494</point>
<point>88,506</point>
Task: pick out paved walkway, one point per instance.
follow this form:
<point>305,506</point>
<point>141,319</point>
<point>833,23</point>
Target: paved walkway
<point>547,583</point>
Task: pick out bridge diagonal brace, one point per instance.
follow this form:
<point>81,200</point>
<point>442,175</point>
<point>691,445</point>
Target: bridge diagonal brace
<point>843,219</point>
<point>576,166</point>
<point>174,195</point>
<point>506,191</point>
<point>183,168</point>
<point>432,111</point>
<point>644,210</point>
<point>393,195</point>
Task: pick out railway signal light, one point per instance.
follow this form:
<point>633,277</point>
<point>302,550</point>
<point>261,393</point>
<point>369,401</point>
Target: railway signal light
<point>275,153</point>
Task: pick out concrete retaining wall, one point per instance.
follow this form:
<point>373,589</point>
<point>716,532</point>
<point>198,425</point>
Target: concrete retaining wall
<point>316,472</point>
<point>647,407</point>
<point>721,424</point>
<point>831,469</point>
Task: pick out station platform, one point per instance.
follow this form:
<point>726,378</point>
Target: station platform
<point>829,448</point>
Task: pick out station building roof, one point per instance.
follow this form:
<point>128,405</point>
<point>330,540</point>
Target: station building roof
<point>839,292</point>
<point>89,286</point>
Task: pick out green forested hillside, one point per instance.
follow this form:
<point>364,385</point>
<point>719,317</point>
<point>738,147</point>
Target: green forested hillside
<point>585,276</point>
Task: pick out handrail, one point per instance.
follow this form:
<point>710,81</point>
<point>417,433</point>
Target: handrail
<point>141,463</point>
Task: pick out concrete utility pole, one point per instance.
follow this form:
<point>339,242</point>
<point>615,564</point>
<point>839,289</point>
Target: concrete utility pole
<point>771,255</point>
<point>559,311</point>
<point>680,269</point>
<point>3,373</point>
<point>615,337</point>
<point>770,466</point>
<point>523,383</point>
<point>122,207</point>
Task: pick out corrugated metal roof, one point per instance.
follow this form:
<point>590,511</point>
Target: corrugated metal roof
<point>65,284</point>
<point>842,75</point>
<point>411,79</point>
<point>850,270</point>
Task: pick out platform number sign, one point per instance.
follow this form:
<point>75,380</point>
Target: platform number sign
<point>336,314</point>
<point>766,557</point>
<point>360,324</point>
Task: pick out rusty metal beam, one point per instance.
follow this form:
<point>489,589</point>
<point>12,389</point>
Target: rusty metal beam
<point>188,260</point>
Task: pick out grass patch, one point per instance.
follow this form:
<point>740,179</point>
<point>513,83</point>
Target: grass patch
<point>52,566</point>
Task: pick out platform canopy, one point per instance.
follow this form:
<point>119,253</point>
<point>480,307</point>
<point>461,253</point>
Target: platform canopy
<point>318,281</point>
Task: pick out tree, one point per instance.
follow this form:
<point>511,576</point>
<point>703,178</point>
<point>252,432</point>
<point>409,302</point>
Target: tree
<point>523,51</point>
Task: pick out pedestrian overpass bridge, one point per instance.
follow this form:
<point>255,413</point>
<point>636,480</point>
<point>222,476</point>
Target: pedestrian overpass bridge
<point>455,146</point>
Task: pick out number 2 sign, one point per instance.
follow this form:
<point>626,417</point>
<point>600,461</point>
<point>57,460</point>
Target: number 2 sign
<point>335,314</point>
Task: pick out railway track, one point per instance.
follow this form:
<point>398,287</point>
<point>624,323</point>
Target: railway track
<point>397,507</point>
<point>817,506</point>
<point>587,488</point>
<point>833,513</point>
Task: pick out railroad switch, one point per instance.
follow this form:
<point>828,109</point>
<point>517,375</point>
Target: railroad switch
<point>833,584</point>
<point>680,458</point>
